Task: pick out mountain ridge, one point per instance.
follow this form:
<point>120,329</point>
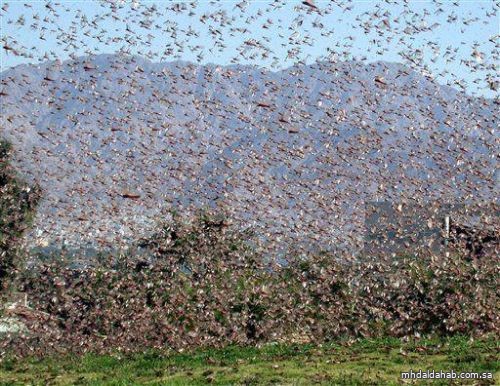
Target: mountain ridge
<point>294,153</point>
<point>144,60</point>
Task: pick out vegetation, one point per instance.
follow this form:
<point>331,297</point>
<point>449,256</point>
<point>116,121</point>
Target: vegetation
<point>202,306</point>
<point>203,286</point>
<point>362,362</point>
<point>17,203</point>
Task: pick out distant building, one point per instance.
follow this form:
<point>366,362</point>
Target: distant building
<point>410,228</point>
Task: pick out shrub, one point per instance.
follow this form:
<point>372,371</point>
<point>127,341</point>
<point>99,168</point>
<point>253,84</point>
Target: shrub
<point>204,286</point>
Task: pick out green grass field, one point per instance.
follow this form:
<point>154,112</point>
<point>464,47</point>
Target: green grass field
<point>366,362</point>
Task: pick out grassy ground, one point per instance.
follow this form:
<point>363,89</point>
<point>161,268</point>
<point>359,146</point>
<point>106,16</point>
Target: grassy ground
<point>366,362</point>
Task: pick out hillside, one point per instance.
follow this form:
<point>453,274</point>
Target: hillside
<point>116,142</point>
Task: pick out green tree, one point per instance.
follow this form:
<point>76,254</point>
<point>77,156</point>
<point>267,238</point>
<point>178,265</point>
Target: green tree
<point>17,204</point>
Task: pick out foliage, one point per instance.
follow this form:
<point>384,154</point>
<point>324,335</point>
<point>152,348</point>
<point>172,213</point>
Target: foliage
<point>205,287</point>
<point>17,202</point>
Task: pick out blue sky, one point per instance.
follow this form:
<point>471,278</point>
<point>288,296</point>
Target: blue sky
<point>364,30</point>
